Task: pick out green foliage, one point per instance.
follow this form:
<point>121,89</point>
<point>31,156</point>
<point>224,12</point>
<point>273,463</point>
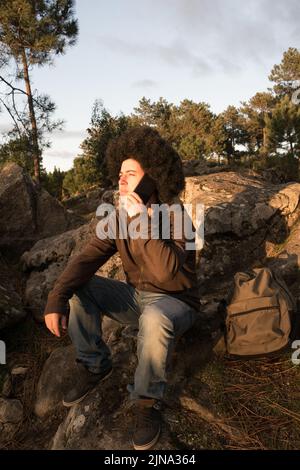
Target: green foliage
<point>191,123</point>
<point>103,128</point>
<point>185,126</point>
<point>286,73</point>
<point>156,114</point>
<point>17,150</point>
<point>53,182</point>
<point>232,133</point>
<point>267,123</point>
<point>42,28</point>
<point>284,167</point>
<point>89,168</point>
<point>217,139</point>
<point>80,178</point>
<point>283,128</point>
<point>254,114</point>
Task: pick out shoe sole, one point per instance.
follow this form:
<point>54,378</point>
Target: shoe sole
<point>68,404</point>
<point>149,444</point>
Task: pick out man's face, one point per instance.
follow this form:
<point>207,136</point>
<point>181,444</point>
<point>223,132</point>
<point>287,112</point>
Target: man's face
<point>130,175</point>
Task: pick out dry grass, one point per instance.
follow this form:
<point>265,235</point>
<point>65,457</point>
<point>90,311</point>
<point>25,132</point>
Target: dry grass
<point>242,405</point>
<point>261,398</point>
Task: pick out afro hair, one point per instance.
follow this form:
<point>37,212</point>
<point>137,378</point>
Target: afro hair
<point>156,156</point>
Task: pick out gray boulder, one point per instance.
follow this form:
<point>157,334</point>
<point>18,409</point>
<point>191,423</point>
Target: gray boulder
<point>244,215</point>
<point>60,369</point>
<point>28,213</point>
<point>286,257</point>
<point>85,204</point>
<point>11,307</point>
<point>57,375</point>
<point>11,416</point>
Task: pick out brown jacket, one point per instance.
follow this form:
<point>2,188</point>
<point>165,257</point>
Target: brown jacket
<point>154,265</point>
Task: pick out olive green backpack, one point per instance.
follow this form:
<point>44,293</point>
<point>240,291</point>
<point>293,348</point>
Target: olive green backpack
<point>259,314</point>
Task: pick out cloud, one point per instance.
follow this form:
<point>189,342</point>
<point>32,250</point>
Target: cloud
<point>69,134</point>
<point>241,31</point>
<point>211,36</point>
<point>63,154</point>
<point>5,128</point>
<point>145,84</point>
<point>178,55</point>
<point>175,54</point>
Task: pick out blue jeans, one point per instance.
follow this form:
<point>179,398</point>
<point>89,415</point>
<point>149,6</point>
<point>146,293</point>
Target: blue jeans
<point>160,320</point>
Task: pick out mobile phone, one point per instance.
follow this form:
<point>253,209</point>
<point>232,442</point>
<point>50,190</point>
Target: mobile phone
<point>145,188</point>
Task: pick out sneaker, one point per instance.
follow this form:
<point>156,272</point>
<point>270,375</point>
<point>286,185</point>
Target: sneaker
<point>148,424</point>
<point>85,381</point>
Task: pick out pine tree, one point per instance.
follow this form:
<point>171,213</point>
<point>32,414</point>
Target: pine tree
<point>90,167</point>
<point>255,113</point>
<point>283,128</point>
<point>286,75</point>
<point>32,32</point>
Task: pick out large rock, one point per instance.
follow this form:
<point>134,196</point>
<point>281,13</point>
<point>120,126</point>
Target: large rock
<point>196,167</point>
<point>59,370</point>
<point>286,257</point>
<point>57,375</point>
<point>11,416</point>
<point>11,308</point>
<point>85,204</point>
<point>28,213</point>
<point>243,215</point>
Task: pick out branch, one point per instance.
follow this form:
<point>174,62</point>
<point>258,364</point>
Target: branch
<point>11,115</point>
<point>12,87</point>
<point>12,93</point>
<point>231,432</point>
<point>17,113</point>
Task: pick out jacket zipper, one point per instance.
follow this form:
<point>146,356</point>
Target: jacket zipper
<point>140,279</point>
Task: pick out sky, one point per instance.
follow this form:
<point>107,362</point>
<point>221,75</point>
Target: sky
<point>217,51</point>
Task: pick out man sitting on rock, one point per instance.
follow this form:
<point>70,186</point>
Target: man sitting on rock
<point>160,295</point>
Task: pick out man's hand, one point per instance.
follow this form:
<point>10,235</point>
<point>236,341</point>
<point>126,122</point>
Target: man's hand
<point>55,321</point>
<point>132,203</point>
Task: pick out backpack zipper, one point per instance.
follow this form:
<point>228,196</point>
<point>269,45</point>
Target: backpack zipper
<point>274,307</point>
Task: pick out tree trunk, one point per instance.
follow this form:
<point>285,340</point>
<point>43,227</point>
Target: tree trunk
<point>34,136</point>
